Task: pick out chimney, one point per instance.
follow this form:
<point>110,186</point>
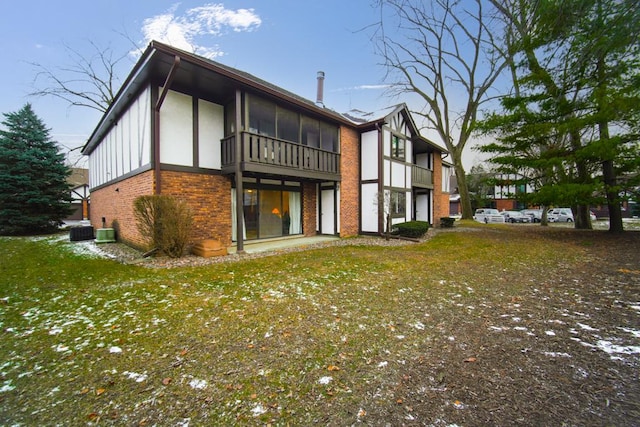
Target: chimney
<point>320,94</point>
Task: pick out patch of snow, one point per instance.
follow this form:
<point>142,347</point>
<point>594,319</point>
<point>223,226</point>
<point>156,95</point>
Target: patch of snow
<point>55,331</point>
<point>587,327</point>
<point>115,349</point>
<point>634,332</point>
<point>496,328</point>
<point>383,364</point>
<point>519,328</point>
<point>555,354</point>
<point>198,384</point>
<point>610,348</point>
<point>135,376</point>
<point>325,380</point>
<point>258,410</point>
<point>61,348</point>
<point>418,325</point>
<point>550,333</point>
<point>7,386</point>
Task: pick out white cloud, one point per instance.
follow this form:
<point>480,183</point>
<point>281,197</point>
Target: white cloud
<point>185,31</point>
<point>362,87</point>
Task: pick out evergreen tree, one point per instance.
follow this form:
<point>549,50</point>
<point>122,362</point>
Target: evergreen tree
<point>570,125</point>
<point>34,194</point>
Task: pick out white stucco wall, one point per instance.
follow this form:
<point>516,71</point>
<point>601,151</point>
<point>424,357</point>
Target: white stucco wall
<point>127,145</point>
<point>369,155</point>
<point>398,174</point>
<point>369,207</point>
<point>176,129</point>
<point>210,132</point>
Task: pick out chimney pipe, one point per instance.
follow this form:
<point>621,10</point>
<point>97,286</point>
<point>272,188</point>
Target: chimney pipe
<point>320,93</point>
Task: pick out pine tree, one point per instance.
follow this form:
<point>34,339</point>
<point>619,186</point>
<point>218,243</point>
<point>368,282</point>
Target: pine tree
<point>34,194</point>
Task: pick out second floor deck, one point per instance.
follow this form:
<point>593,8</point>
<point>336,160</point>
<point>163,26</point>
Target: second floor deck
<point>268,155</point>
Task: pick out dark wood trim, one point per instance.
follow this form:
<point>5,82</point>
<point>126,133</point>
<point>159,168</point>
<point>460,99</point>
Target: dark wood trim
<point>134,172</point>
<point>196,132</point>
<point>381,178</point>
<point>189,169</point>
<point>238,176</point>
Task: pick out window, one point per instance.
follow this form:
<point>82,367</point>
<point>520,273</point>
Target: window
<point>262,116</point>
<point>398,203</point>
<point>310,132</point>
<point>397,147</point>
<point>329,137</point>
<point>288,125</point>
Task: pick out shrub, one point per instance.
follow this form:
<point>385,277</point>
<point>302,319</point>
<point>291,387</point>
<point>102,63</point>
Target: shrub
<point>447,222</point>
<point>165,221</point>
<point>412,228</point>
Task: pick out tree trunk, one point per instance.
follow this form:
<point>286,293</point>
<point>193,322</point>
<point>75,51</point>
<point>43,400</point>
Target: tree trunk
<point>608,171</point>
<point>463,189</point>
<point>615,210</point>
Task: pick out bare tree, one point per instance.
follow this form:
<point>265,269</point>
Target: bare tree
<point>89,80</point>
<point>444,51</point>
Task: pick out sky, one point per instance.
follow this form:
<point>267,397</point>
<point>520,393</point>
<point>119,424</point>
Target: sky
<point>285,42</point>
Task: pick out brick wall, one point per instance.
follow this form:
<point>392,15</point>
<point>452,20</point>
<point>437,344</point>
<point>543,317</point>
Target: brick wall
<point>209,197</point>
<point>114,203</point>
<point>440,198</point>
<point>309,207</point>
<point>350,185</point>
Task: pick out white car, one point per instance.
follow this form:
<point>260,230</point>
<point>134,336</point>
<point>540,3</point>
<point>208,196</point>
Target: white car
<point>488,215</point>
<point>560,215</point>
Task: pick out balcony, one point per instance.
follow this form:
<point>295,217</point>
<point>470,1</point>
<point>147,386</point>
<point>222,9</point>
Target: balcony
<point>268,155</point>
<point>421,177</point>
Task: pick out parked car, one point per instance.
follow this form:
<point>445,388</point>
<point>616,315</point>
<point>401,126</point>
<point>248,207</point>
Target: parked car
<point>560,215</point>
<point>515,216</point>
<point>488,215</point>
<point>534,214</point>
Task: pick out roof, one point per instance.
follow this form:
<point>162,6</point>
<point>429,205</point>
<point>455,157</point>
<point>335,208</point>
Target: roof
<point>78,178</point>
<point>218,80</point>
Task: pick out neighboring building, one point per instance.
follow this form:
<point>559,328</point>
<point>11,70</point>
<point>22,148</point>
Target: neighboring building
<point>79,182</point>
<point>248,155</point>
<point>507,190</point>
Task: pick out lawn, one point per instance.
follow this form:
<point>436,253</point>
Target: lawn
<point>481,325</point>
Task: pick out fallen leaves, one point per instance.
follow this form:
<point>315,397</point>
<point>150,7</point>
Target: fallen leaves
<point>470,360</point>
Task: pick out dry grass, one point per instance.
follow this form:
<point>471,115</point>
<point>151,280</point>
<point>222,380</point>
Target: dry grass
<point>422,334</point>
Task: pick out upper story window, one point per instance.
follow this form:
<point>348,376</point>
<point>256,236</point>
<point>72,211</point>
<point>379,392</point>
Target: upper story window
<point>310,132</point>
<point>397,147</point>
<point>329,137</point>
<point>267,118</point>
<point>262,116</point>
<point>288,125</point>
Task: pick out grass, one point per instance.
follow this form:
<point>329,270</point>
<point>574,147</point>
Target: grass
<point>301,338</point>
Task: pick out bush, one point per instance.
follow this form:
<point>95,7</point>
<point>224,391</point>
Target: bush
<point>447,222</point>
<point>414,229</point>
<point>165,221</point>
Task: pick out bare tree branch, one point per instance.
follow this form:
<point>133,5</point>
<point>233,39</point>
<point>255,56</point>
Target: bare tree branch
<point>446,52</point>
<point>90,80</point>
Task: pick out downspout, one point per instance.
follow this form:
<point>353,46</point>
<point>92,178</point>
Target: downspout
<point>156,125</point>
<point>381,199</point>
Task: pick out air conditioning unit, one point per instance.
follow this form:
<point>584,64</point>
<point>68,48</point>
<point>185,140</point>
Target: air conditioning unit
<point>77,234</point>
<point>105,235</point>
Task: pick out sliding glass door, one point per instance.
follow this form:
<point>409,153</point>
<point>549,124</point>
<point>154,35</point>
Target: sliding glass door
<point>270,213</point>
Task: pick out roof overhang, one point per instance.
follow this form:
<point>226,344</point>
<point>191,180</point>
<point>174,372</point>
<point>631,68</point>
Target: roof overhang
<point>200,75</point>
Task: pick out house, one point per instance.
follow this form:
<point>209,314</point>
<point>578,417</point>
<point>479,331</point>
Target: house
<point>250,156</point>
<point>79,183</point>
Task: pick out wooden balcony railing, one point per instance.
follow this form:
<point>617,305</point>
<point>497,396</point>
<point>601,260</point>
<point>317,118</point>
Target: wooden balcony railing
<point>265,154</point>
<point>421,177</point>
